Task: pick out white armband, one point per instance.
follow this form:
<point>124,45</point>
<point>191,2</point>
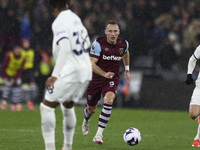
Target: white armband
<point>126,67</point>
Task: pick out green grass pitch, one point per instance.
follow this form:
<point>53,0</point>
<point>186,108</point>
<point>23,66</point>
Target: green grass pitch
<point>161,130</point>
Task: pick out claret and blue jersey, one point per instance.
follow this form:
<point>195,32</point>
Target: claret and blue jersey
<point>109,55</point>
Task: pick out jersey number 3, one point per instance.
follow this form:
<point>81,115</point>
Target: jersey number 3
<point>82,43</point>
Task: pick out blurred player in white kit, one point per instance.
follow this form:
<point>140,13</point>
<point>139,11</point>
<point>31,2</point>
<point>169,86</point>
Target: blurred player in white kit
<point>194,109</point>
<point>70,76</point>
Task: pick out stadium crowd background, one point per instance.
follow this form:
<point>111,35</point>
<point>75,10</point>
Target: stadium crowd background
<point>162,34</point>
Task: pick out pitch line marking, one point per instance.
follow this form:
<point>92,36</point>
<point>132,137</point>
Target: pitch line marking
<point>22,130</point>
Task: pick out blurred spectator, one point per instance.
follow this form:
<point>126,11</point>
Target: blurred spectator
<point>11,73</point>
<point>191,33</point>
<point>25,27</point>
<point>164,53</point>
<point>29,73</point>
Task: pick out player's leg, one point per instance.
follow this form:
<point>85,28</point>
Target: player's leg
<point>93,96</point>
<point>30,87</point>
<point>88,112</point>
<point>104,116</point>
<point>194,111</point>
<point>69,124</point>
<point>48,123</point>
<point>33,95</point>
<point>5,94</point>
<point>30,80</point>
<point>16,98</point>
<point>47,110</point>
<point>75,91</point>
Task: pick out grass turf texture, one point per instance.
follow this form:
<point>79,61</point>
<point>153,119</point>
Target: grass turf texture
<point>161,130</point>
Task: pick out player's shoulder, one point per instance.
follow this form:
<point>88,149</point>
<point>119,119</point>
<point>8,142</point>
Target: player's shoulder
<point>198,47</point>
<point>121,41</point>
<point>60,19</point>
<point>101,40</point>
<point>197,50</point>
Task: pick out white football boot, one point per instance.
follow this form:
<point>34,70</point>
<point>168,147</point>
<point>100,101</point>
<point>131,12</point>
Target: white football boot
<point>85,127</point>
<point>98,139</point>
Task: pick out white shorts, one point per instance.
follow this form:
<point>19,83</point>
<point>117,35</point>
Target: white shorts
<point>195,99</point>
<point>65,92</point>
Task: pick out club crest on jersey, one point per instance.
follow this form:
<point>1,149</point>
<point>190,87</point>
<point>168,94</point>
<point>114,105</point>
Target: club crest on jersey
<point>89,97</point>
<point>121,50</point>
<point>92,49</point>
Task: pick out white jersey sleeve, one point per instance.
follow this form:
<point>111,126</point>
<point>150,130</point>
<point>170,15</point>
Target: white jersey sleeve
<point>61,58</point>
<point>197,52</point>
<point>193,59</point>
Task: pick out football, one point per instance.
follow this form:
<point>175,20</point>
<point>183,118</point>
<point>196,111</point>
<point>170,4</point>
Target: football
<point>132,136</point>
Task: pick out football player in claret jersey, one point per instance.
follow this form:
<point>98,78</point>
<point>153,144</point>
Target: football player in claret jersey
<point>70,76</point>
<point>194,109</point>
<point>106,55</point>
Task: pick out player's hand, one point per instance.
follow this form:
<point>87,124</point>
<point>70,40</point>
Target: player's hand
<point>109,75</point>
<point>189,79</point>
<point>127,76</point>
<point>50,84</point>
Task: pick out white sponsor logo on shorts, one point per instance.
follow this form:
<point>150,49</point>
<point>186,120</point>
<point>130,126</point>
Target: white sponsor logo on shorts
<point>111,83</point>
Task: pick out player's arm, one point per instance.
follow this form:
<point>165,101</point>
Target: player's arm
<point>65,48</point>
<point>96,69</point>
<point>126,61</point>
<point>191,66</point>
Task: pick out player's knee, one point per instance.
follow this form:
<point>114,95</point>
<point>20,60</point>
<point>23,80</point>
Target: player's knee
<point>48,125</point>
<point>108,101</point>
<point>68,105</point>
<point>193,116</point>
<point>109,98</point>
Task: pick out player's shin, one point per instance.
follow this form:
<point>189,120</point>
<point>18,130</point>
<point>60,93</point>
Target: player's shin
<point>87,116</point>
<point>198,130</point>
<point>48,123</point>
<point>86,121</point>
<point>69,123</point>
<point>104,118</point>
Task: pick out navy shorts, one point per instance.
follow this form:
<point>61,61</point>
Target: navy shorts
<point>95,89</point>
